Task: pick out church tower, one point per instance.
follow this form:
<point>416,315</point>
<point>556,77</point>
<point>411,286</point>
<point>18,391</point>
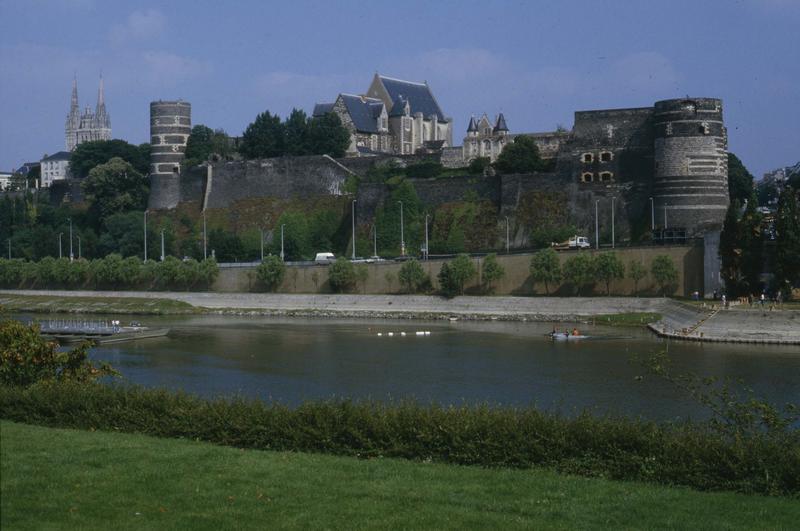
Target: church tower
<point>87,126</point>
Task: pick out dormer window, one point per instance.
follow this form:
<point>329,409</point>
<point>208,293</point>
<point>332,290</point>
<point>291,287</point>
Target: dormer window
<point>606,156</point>
<point>606,176</point>
<point>587,177</point>
<point>587,158</point>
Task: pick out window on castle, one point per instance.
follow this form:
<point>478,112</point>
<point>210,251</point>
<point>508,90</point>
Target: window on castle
<point>704,129</point>
<point>606,176</point>
<point>587,157</point>
<point>587,177</point>
<point>606,156</point>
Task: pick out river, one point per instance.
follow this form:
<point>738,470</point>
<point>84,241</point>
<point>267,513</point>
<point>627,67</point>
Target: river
<point>499,363</point>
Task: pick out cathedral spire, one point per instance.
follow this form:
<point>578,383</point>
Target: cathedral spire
<point>101,98</point>
<point>74,101</point>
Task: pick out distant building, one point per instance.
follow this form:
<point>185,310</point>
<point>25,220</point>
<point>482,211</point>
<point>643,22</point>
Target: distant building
<point>26,168</point>
<point>394,116</point>
<point>484,139</point>
<point>86,126</point>
<point>55,167</point>
<point>5,180</point>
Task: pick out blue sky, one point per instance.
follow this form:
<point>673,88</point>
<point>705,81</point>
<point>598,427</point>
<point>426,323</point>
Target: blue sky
<point>537,62</point>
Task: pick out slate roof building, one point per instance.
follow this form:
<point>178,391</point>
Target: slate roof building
<point>484,139</point>
<point>394,116</point>
<point>55,167</point>
<point>86,126</point>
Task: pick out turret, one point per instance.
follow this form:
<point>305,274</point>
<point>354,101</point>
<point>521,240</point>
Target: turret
<point>691,164</point>
<point>500,127</point>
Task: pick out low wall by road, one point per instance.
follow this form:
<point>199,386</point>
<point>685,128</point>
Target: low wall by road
<point>383,276</point>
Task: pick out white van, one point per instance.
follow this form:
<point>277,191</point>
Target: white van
<point>324,258</point>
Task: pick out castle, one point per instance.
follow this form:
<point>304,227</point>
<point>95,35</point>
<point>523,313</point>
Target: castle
<point>393,117</point>
<point>86,126</point>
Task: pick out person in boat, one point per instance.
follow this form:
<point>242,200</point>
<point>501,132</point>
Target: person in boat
<point>575,332</point>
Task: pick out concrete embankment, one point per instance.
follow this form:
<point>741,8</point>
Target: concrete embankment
<point>733,325</point>
<point>679,320</point>
<point>388,306</point>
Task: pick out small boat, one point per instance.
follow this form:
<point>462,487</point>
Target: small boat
<point>566,337</point>
<point>73,332</point>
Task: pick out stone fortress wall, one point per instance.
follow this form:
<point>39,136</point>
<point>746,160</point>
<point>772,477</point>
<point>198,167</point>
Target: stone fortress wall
<point>612,161</point>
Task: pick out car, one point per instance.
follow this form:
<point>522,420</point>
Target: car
<point>324,258</point>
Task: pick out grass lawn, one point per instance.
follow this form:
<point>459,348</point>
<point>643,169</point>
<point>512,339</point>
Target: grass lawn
<point>54,478</point>
<point>120,305</point>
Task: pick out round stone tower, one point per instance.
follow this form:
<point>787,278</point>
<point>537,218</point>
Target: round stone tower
<point>170,126</point>
<point>691,164</point>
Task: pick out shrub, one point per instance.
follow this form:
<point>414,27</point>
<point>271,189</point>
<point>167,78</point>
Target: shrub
<point>607,268</point>
<point>479,165</point>
<point>454,275</point>
<point>546,267</point>
<point>26,358</point>
<point>664,273</point>
<point>12,272</point>
<point>412,277</point>
<point>341,275</point>
<point>579,271</point>
<point>271,272</point>
<point>685,453</point>
<point>492,272</point>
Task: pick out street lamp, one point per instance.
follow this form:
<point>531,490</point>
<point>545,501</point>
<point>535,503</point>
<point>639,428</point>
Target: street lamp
<point>9,248</point>
<point>205,240</point>
<point>282,226</point>
<point>145,235</point>
<point>374,241</point>
<point>59,243</point>
<point>261,232</point>
<point>402,238</point>
<point>596,226</point>
<point>162,245</point>
<point>71,255</point>
<point>612,221</point>
<point>652,215</point>
<point>79,247</point>
<point>665,215</point>
<point>426,236</point>
<point>353,215</point>
<point>508,241</point>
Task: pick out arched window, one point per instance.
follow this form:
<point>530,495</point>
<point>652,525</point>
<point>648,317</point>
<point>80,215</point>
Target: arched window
<point>606,176</point>
<point>606,156</point>
<point>587,158</point>
<point>587,177</point>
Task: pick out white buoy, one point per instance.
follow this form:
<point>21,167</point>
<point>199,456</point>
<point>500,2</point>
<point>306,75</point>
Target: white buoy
<point>390,334</point>
<point>380,334</point>
<point>402,333</point>
<point>419,333</point>
<point>427,332</point>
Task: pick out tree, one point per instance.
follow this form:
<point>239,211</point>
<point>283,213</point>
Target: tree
<point>751,243</point>
<point>114,187</point>
<point>461,271</point>
<point>296,236</point>
<point>271,272</point>
<point>362,275</point>
<point>327,136</point>
<point>89,155</point>
<point>412,277</point>
<point>740,181</point>
<point>636,272</point>
<point>787,240</point>
<point>479,165</point>
<point>730,253</point>
<point>263,138</point>
<point>204,142</point>
<point>545,267</point>
<point>296,131</point>
<point>520,156</point>
<point>664,273</point>
<point>579,271</point>
<point>388,219</point>
<point>492,271</point>
<point>607,268</point>
<point>341,275</point>
<point>227,246</point>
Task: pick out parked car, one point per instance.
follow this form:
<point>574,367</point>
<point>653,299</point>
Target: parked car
<point>575,242</point>
<point>324,258</point>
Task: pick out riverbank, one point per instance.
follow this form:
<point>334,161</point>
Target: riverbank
<point>665,317</point>
<point>113,480</point>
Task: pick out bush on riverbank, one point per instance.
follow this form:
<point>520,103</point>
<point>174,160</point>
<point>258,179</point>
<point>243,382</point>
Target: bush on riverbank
<point>688,454</point>
<point>111,272</point>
